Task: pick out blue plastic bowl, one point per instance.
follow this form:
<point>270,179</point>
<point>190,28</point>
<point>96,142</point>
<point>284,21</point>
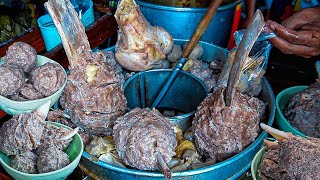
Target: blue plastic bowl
<point>49,31</point>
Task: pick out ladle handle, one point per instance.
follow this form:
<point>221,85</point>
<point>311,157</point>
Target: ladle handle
<point>205,21</point>
<point>196,36</point>
<point>251,35</point>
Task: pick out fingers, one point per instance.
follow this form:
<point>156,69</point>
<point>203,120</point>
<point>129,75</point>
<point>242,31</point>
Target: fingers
<point>307,37</point>
<point>289,48</point>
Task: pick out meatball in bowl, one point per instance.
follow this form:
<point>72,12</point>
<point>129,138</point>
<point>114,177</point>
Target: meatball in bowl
<point>28,80</point>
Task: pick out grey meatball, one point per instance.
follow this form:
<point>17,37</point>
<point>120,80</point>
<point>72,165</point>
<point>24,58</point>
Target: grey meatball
<point>27,92</point>
<point>22,55</point>
<point>175,54</point>
<point>25,162</point>
<point>52,159</point>
<point>140,135</point>
<point>47,79</point>
<point>11,80</point>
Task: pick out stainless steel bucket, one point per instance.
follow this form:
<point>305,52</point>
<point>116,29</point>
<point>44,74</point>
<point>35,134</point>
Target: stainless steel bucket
<point>181,22</point>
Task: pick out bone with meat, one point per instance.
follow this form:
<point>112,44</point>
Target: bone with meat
<point>140,46</point>
<point>227,121</point>
<point>93,96</point>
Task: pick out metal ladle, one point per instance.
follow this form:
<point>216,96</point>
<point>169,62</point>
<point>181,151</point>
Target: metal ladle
<point>205,21</point>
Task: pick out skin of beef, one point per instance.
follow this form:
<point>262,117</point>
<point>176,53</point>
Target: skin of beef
<point>94,105</point>
<point>142,133</point>
<point>22,55</point>
<point>27,92</point>
<point>296,158</point>
<point>221,131</point>
<point>303,110</point>
<point>25,162</point>
<point>20,135</point>
<point>47,79</point>
<point>11,79</point>
<point>52,159</point>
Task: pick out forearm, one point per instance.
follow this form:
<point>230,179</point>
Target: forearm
<point>250,6</point>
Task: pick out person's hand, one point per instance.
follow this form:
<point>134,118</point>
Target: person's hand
<point>299,34</point>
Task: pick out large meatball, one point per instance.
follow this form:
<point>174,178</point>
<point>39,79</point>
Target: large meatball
<point>48,78</point>
<point>11,80</point>
<point>142,133</point>
<point>22,55</point>
<point>222,131</point>
<point>27,92</point>
<point>25,162</point>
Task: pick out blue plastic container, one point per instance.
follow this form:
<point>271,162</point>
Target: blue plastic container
<point>231,168</point>
<point>49,31</point>
<point>181,22</point>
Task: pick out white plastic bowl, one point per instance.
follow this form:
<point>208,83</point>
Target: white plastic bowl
<point>17,107</point>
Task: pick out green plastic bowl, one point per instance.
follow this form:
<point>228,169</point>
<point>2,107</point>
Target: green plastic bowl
<point>256,163</point>
<point>74,152</point>
<point>18,107</point>
<point>282,100</point>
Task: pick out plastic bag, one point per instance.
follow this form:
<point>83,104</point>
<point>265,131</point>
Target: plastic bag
<point>256,64</point>
<point>264,35</point>
<point>254,68</point>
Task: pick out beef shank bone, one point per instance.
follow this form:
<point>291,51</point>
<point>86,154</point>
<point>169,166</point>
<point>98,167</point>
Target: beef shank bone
<point>140,46</point>
<point>72,33</point>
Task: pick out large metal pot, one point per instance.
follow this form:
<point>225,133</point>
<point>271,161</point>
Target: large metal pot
<point>181,22</point>
<point>231,168</point>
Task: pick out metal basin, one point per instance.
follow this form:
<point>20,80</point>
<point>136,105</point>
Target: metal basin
<point>175,19</point>
<point>231,168</point>
<point>185,94</point>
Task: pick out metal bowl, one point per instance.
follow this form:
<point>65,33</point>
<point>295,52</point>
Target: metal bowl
<point>231,168</point>
<point>184,96</point>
